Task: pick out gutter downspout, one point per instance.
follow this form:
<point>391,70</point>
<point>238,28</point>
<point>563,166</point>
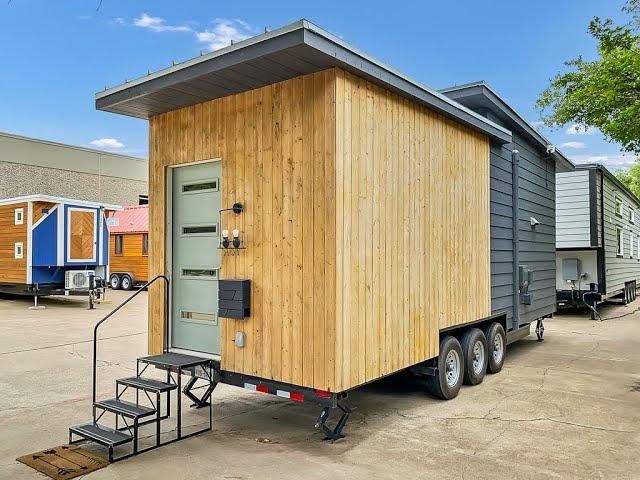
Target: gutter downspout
<point>515,162</point>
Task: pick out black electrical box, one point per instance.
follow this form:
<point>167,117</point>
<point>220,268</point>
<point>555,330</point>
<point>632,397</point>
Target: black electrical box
<point>234,299</point>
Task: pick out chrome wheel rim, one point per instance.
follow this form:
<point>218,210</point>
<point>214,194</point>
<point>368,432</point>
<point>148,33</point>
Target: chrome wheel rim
<point>498,347</point>
<point>452,368</point>
<point>125,283</point>
<point>114,282</point>
<point>477,356</point>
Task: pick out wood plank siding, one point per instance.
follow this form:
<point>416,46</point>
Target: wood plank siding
<point>412,221</point>
<point>366,224</point>
<point>132,260</point>
<point>13,270</point>
<point>39,208</point>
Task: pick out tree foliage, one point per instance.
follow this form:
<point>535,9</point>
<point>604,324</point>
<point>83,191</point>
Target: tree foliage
<point>605,92</point>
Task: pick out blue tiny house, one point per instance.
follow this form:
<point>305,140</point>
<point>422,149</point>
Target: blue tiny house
<point>52,245</point>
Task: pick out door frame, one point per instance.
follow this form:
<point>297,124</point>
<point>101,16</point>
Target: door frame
<point>168,250</point>
<point>95,213</point>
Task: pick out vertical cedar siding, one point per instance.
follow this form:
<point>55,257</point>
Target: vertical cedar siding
<point>364,215</point>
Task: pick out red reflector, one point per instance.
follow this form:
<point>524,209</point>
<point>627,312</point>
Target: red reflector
<point>323,393</point>
<point>262,388</point>
<point>298,397</point>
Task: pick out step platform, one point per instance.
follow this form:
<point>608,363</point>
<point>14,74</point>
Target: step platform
<point>101,434</point>
<point>174,360</point>
<point>128,409</point>
<point>148,384</point>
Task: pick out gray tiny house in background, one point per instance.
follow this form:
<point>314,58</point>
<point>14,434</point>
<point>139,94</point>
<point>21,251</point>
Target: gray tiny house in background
<point>598,236</point>
<point>522,252</point>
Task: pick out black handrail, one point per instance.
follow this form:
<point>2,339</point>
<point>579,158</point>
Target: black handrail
<point>95,329</point>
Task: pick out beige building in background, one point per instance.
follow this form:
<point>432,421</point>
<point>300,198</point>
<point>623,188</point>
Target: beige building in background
<point>29,166</point>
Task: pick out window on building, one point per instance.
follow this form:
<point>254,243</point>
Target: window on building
<point>19,216</point>
<point>632,216</point>
<point>118,244</point>
<point>143,199</point>
<point>145,243</point>
<point>18,250</point>
<point>631,249</point>
<point>620,240</point>
<point>618,206</point>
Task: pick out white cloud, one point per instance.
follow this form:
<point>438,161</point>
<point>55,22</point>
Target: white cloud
<point>576,145</point>
<point>577,129</point>
<point>107,143</point>
<point>157,24</point>
<point>219,35</point>
<point>224,31</point>
<point>613,161</point>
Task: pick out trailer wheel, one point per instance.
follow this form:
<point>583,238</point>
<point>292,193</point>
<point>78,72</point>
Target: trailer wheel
<point>114,281</point>
<point>448,380</point>
<point>126,282</point>
<point>474,347</point>
<point>497,342</point>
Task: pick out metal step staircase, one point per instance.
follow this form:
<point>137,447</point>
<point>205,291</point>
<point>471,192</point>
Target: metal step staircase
<point>130,415</point>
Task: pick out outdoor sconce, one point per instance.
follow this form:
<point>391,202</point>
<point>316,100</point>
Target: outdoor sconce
<point>225,238</point>
<point>236,238</point>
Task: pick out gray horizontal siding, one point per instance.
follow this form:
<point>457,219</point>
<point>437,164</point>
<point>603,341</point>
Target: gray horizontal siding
<point>619,270</point>
<point>573,218</point>
<point>501,231</point>
<point>537,245</point>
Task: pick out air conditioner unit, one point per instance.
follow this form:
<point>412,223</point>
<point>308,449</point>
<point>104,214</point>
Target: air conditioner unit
<point>77,279</point>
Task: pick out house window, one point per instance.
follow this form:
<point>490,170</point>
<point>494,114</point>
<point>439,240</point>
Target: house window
<point>18,250</point>
<point>632,216</point>
<point>118,244</point>
<point>145,243</point>
<point>19,216</point>
<point>631,249</point>
<point>618,206</point>
<point>619,240</point>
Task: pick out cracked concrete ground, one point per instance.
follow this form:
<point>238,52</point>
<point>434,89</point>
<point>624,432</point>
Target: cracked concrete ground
<point>568,407</point>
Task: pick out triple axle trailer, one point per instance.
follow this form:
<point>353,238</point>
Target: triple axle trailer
<point>325,221</point>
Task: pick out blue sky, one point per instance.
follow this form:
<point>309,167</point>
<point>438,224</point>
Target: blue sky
<point>57,54</point>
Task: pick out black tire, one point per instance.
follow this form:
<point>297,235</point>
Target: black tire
<point>126,283</point>
<point>114,281</point>
<point>495,335</point>
<point>474,349</point>
<point>446,384</point>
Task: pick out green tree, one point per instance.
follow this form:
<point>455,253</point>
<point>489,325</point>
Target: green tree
<point>631,178</point>
<point>605,92</point>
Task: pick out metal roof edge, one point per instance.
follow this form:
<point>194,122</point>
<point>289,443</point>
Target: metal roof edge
<point>499,131</point>
<point>610,175</point>
<point>403,83</point>
<point>53,199</point>
<point>300,24</point>
<point>497,100</point>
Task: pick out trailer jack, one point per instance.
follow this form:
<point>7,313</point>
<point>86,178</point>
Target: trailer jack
<point>540,330</point>
<point>334,434</point>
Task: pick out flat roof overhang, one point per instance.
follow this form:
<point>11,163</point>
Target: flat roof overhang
<point>291,51</point>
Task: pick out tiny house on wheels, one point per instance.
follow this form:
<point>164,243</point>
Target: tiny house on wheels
<point>325,221</point>
<point>129,247</point>
<point>53,246</point>
<point>598,240</point>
